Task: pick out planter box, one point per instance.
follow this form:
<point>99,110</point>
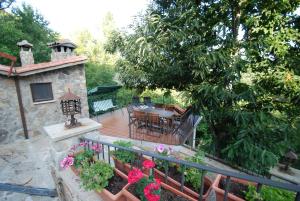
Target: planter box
<point>175,184</point>
<point>130,197</point>
<point>126,167</point>
<point>220,192</point>
<point>108,196</point>
<point>75,170</point>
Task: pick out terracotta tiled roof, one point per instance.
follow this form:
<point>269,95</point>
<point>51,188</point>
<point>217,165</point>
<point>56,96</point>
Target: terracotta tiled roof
<point>41,67</point>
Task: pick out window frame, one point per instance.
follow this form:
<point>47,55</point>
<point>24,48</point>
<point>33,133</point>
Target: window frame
<point>34,100</point>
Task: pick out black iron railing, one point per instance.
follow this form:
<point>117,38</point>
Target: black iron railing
<point>203,168</point>
<point>176,134</point>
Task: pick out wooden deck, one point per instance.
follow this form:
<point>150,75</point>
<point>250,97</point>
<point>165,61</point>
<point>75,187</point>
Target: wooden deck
<point>116,124</point>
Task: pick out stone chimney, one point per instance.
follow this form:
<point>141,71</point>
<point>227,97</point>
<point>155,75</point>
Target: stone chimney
<point>26,55</point>
<point>62,49</point>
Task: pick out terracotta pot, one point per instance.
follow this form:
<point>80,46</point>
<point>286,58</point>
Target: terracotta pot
<point>75,170</point>
<point>175,184</point>
<point>131,197</point>
<point>126,167</point>
<point>220,192</point>
<point>108,196</point>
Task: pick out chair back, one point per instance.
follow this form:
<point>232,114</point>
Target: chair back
<point>169,107</point>
<point>153,119</point>
<point>179,110</point>
<point>147,100</point>
<point>136,100</point>
<point>140,116</point>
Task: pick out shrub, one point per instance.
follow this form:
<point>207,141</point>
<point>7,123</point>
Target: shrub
<point>122,155</point>
<point>269,193</point>
<point>95,176</point>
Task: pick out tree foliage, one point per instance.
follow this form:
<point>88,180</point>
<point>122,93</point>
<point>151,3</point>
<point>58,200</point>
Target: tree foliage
<point>24,23</point>
<point>100,69</point>
<point>206,48</point>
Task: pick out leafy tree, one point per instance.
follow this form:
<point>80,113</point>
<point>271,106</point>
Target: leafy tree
<point>100,69</point>
<point>205,48</point>
<point>25,24</point>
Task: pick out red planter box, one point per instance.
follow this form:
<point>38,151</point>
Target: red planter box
<point>220,192</point>
<point>131,197</point>
<point>175,184</point>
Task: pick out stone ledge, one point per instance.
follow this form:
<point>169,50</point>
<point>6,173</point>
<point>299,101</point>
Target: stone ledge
<point>58,132</point>
<point>72,189</point>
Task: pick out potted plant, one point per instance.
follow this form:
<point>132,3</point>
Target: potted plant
<point>77,155</point>
<point>124,159</point>
<point>105,180</point>
<point>237,188</point>
<point>147,188</point>
<point>192,175</point>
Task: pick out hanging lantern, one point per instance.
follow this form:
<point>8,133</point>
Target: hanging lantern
<point>70,105</point>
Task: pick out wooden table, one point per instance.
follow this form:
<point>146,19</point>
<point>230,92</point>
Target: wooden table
<point>160,111</point>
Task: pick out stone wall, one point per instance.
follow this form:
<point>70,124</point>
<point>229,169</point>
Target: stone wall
<point>10,119</point>
<point>42,114</point>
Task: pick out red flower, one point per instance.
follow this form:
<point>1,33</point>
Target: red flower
<point>148,164</point>
<point>148,191</point>
<point>134,175</point>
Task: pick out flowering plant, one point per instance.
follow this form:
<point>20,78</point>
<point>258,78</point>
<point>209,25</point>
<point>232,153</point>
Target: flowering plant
<point>163,150</point>
<point>147,188</point>
<point>78,154</point>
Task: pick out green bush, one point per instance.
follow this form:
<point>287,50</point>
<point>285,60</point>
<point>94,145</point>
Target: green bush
<point>269,194</point>
<point>96,176</point>
<point>80,158</point>
<point>124,156</point>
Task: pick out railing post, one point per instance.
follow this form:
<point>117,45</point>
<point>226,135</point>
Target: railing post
<point>297,197</point>
<point>182,178</point>
<point>202,185</point>
<point>227,183</point>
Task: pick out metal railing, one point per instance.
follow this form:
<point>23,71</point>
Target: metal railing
<point>203,168</point>
<point>175,134</point>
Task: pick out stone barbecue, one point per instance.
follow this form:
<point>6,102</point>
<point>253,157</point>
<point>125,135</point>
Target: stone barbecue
<point>29,94</point>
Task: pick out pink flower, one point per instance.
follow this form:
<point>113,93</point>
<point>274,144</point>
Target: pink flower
<point>82,144</point>
<point>148,164</point>
<point>97,148</point>
<point>67,162</point>
<point>160,148</point>
<point>74,147</point>
<point>135,175</point>
<point>149,191</point>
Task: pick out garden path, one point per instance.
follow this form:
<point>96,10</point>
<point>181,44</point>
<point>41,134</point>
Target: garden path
<point>26,163</point>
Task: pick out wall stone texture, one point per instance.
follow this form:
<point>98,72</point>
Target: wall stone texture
<point>39,114</point>
<point>10,120</point>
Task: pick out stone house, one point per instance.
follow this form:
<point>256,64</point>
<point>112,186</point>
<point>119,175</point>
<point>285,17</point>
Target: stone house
<point>29,94</point>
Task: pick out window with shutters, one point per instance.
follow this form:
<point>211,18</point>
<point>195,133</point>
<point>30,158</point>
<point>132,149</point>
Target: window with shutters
<point>41,92</point>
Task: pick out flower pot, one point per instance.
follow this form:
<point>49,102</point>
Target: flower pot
<point>126,167</point>
<point>175,184</point>
<point>220,192</point>
<point>106,195</point>
<point>123,167</point>
<point>75,170</point>
<point>130,197</point>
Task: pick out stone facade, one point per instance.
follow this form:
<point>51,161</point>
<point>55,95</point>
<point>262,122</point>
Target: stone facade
<point>39,114</point>
<point>10,120</point>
